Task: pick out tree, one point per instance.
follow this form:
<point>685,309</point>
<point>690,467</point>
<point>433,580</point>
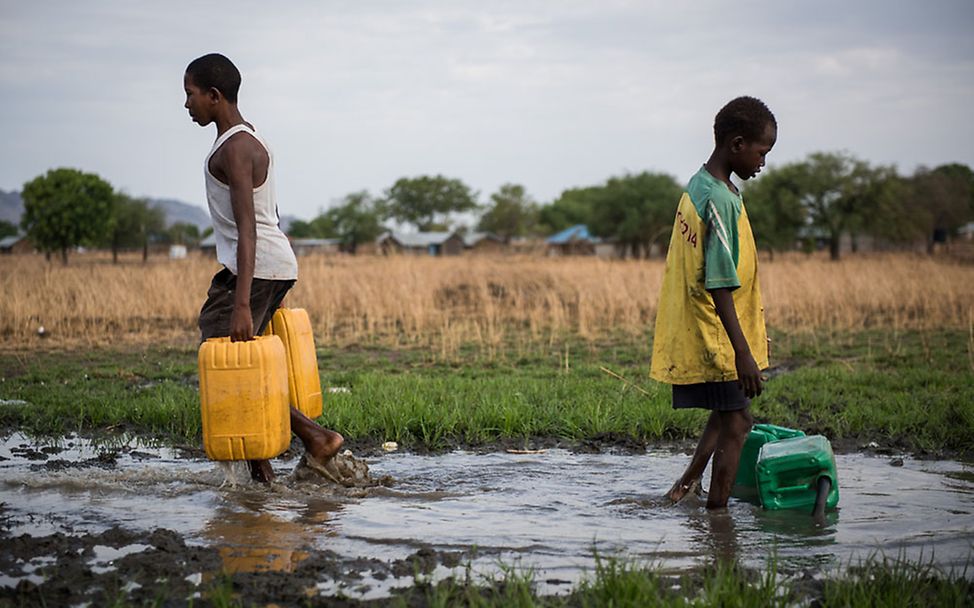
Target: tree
<point>963,176</point>
<point>7,229</point>
<point>132,223</point>
<point>183,233</point>
<point>321,227</point>
<point>65,208</point>
<point>774,208</point>
<point>512,213</point>
<point>937,202</point>
<point>300,229</point>
<point>574,206</point>
<point>839,193</point>
<point>636,211</point>
<point>425,200</point>
<point>357,220</point>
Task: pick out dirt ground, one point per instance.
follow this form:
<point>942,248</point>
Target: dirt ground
<point>171,569</point>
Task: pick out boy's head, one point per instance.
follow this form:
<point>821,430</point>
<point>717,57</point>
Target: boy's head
<point>209,81</point>
<point>746,130</point>
<point>214,71</point>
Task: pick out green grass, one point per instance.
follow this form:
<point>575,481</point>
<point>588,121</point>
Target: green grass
<point>897,582</point>
<point>909,390</point>
<point>620,583</point>
<point>615,583</point>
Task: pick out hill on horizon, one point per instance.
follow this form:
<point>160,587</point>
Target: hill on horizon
<point>12,208</point>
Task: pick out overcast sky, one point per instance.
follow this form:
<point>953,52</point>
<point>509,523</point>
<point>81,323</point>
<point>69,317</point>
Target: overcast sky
<point>549,94</point>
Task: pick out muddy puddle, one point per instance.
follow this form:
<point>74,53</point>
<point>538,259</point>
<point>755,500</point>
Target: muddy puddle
<point>127,516</point>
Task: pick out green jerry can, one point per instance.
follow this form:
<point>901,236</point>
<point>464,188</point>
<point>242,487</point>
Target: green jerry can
<point>797,473</point>
<point>760,434</point>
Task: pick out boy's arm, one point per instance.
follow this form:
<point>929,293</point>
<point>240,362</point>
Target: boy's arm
<point>748,374</point>
<point>238,161</point>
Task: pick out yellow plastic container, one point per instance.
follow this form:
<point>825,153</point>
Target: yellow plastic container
<point>244,398</point>
<point>293,327</point>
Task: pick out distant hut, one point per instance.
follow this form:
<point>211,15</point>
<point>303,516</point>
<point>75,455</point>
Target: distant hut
<point>420,243</point>
<point>309,246</point>
<point>484,242</point>
<point>208,245</point>
<point>576,240</point>
<point>18,243</point>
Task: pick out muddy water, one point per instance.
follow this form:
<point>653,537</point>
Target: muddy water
<point>546,511</point>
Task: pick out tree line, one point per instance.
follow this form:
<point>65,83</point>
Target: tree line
<point>67,208</point>
<point>820,199</point>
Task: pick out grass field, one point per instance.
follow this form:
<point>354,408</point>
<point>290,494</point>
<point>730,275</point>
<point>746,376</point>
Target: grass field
<point>909,390</point>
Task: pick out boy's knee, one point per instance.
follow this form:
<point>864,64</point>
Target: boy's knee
<point>747,419</point>
<point>739,422</point>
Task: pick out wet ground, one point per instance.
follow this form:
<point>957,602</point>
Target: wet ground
<point>80,522</point>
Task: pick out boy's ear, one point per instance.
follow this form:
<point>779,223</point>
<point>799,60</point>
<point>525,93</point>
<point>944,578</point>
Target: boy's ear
<point>737,143</point>
<point>214,94</point>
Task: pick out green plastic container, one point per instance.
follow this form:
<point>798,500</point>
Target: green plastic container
<point>789,470</point>
<point>760,434</point>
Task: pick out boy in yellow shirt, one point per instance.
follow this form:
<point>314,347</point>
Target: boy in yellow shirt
<point>710,340</point>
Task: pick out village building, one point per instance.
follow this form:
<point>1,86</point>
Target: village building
<point>208,245</point>
<point>576,240</point>
<point>484,242</point>
<point>420,243</point>
<point>309,246</point>
<point>16,244</point>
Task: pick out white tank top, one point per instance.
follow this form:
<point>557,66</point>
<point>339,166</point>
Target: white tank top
<point>275,258</point>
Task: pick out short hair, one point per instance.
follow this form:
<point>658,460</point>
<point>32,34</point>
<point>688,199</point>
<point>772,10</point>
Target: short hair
<point>217,72</point>
<point>745,116</point>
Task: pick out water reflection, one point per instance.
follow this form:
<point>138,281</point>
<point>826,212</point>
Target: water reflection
<point>261,537</point>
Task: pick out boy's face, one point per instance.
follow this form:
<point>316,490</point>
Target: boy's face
<point>200,103</point>
<point>747,157</point>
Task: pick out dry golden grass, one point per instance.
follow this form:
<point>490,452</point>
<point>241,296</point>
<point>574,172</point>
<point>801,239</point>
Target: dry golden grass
<point>443,303</point>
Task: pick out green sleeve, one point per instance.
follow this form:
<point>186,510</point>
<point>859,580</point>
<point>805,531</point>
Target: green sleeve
<point>721,243</point>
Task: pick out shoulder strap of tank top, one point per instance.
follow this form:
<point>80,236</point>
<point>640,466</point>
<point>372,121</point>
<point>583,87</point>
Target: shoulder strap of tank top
<point>228,134</point>
<point>233,131</point>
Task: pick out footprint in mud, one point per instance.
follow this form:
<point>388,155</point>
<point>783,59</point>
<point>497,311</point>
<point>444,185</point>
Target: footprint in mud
<point>344,470</point>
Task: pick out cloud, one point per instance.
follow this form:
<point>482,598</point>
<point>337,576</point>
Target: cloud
<point>549,94</point>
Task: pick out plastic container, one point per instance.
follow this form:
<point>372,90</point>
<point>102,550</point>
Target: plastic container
<point>760,434</point>
<point>293,327</point>
<point>244,398</point>
<point>789,471</point>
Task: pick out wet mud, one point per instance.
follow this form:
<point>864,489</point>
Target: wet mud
<point>90,522</point>
<point>65,570</point>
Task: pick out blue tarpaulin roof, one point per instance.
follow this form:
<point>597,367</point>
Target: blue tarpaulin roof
<point>578,232</point>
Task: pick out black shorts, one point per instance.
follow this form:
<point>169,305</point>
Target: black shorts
<point>265,298</point>
<point>715,396</point>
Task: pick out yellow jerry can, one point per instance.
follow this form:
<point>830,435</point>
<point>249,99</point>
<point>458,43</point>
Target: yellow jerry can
<point>244,398</point>
<point>293,327</point>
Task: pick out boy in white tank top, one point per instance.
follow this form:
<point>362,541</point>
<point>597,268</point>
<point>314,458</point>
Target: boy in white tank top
<point>259,264</point>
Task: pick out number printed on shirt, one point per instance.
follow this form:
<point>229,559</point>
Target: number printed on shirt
<point>685,230</point>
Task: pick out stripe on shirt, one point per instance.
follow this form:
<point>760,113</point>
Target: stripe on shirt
<point>721,230</point>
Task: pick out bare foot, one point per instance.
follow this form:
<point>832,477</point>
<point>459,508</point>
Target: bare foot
<point>260,470</point>
<point>324,445</point>
<point>680,490</point>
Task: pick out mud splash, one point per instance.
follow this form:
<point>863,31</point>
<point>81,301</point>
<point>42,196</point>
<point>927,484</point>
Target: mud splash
<point>78,520</point>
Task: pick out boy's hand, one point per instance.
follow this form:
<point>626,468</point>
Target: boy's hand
<point>748,375</point>
<point>241,324</point>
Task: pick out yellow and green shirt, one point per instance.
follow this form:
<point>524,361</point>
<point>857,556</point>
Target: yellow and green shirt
<point>711,247</point>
